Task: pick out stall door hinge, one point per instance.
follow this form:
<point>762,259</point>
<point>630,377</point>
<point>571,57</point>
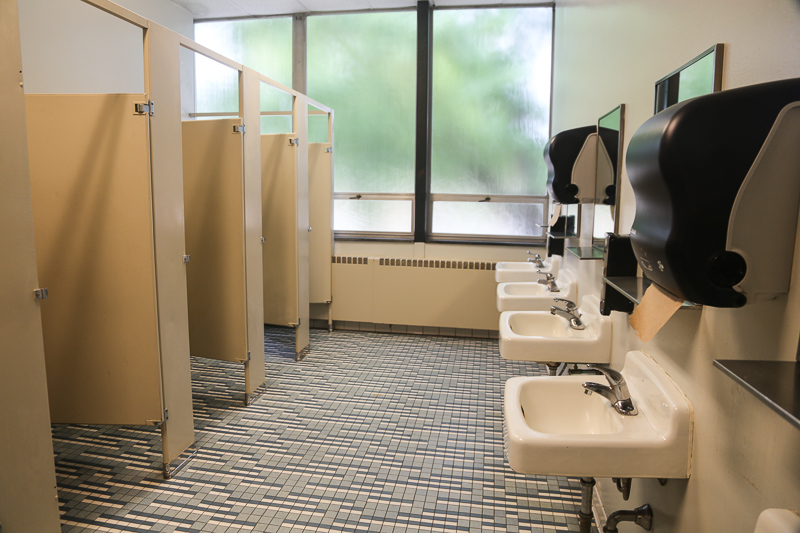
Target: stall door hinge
<point>159,422</point>
<point>145,109</point>
<point>245,360</point>
<point>294,142</point>
<point>329,150</point>
<point>40,294</point>
<point>187,258</point>
<point>239,128</point>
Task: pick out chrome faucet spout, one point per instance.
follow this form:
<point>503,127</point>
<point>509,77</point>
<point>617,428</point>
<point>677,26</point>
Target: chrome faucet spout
<point>549,280</point>
<point>536,260</point>
<point>620,397</point>
<point>572,317</point>
<point>603,390</point>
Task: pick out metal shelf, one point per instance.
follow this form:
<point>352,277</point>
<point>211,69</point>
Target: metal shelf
<point>633,288</point>
<point>776,383</point>
<point>591,253</point>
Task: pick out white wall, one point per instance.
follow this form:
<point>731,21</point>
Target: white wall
<point>745,457</point>
<point>71,47</point>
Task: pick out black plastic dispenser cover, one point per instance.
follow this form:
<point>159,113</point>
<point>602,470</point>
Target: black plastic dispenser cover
<point>686,165</point>
<point>560,154</point>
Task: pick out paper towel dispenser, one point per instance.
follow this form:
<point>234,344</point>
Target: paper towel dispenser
<point>570,157</point>
<point>717,186</point>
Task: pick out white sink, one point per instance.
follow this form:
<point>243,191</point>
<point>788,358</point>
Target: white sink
<point>524,271</point>
<point>545,338</point>
<point>534,296</point>
<point>552,428</point>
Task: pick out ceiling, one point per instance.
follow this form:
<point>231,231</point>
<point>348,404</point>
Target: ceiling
<point>218,9</point>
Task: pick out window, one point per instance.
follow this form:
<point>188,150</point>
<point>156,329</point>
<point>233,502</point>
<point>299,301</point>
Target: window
<point>265,45</point>
<point>490,115</point>
<point>491,121</point>
<point>364,67</point>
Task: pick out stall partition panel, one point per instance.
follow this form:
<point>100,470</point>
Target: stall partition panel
<point>28,498</point>
<point>279,183</point>
<point>214,210</point>
<point>254,264</point>
<point>320,213</point>
<point>90,178</point>
<point>302,227</point>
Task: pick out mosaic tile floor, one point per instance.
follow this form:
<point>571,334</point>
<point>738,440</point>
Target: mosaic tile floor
<point>369,433</point>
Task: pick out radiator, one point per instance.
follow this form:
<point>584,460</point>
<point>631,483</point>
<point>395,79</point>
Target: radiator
<point>445,293</point>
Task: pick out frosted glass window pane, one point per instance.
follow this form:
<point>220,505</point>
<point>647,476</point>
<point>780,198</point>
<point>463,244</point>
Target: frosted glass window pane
<point>265,45</point>
<point>317,128</point>
<point>491,100</point>
<point>273,99</point>
<point>372,215</point>
<point>490,218</point>
<point>364,67</point>
<point>217,86</point>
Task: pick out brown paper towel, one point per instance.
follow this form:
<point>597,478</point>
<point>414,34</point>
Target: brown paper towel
<point>556,214</point>
<point>656,307</point>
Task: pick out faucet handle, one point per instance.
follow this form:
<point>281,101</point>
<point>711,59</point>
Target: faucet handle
<point>547,275</point>
<point>569,304</point>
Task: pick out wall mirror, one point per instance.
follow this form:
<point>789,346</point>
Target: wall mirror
<point>702,75</point>
<point>609,155</point>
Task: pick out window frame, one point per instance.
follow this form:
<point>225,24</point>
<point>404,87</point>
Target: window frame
<point>422,198</point>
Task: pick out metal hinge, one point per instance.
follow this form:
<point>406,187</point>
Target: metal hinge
<point>159,422</point>
<point>239,128</point>
<point>187,258</point>
<point>294,142</point>
<point>245,360</point>
<point>329,150</point>
<point>40,294</point>
<point>263,240</point>
<point>145,109</point>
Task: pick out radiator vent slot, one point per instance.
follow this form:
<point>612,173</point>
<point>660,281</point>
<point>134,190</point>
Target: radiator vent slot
<point>437,263</point>
<point>416,263</point>
<point>349,260</point>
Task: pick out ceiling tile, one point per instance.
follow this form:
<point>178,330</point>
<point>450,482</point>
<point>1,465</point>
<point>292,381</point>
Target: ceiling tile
<point>336,5</point>
<point>270,7</point>
<point>206,9</point>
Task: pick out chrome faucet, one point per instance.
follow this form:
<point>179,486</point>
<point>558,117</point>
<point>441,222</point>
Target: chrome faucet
<point>615,392</point>
<point>549,279</point>
<point>536,260</point>
<point>569,311</point>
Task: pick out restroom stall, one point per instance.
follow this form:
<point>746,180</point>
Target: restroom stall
<point>285,211</point>
<point>223,237</point>
<point>320,199</point>
<point>98,225</point>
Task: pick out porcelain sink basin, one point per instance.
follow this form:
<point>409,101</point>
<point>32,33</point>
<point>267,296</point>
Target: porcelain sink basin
<point>534,296</point>
<point>552,428</point>
<point>522,271</point>
<point>545,338</point>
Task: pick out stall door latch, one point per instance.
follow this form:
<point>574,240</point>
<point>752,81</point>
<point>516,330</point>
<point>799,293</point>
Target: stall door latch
<point>148,108</point>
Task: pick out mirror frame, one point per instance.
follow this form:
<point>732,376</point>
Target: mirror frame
<point>666,89</point>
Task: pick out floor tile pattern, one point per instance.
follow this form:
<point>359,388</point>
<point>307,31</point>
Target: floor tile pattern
<point>369,433</point>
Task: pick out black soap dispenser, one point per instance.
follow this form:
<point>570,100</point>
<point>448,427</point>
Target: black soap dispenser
<point>570,157</point>
<point>717,186</point>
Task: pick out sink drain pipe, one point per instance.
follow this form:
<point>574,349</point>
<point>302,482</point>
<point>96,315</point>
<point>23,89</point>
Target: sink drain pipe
<point>585,514</point>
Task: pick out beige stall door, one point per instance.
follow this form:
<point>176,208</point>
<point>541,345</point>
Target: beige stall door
<point>320,213</point>
<point>279,211</point>
<point>90,177</point>
<point>213,202</point>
